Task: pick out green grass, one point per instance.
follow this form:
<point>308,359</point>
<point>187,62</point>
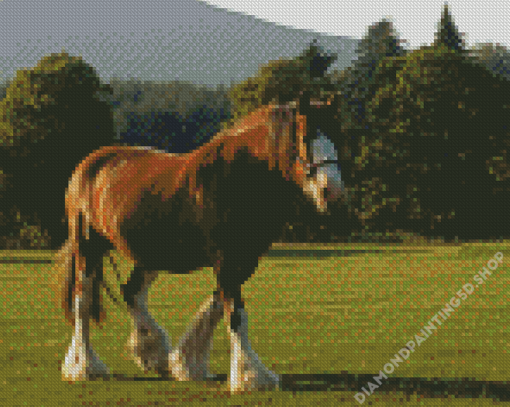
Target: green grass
<point>308,315</point>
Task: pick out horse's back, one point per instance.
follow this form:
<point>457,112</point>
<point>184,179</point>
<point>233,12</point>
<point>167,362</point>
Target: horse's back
<point>126,165</point>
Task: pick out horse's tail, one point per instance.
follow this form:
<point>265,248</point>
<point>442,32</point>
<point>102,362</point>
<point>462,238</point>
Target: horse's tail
<point>66,274</point>
<point>69,260</point>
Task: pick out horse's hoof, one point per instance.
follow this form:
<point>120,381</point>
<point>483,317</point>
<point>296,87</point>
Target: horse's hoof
<point>83,364</point>
<point>150,356</point>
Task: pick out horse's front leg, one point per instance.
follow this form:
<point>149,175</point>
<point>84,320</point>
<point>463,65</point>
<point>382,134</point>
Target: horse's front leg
<point>149,344</point>
<point>247,372</point>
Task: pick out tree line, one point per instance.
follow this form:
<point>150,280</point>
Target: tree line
<point>423,134</point>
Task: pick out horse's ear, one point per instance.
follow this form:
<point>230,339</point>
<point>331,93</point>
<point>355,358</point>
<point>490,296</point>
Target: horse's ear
<point>304,102</point>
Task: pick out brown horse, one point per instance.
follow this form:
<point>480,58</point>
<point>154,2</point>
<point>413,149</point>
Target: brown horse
<point>219,206</point>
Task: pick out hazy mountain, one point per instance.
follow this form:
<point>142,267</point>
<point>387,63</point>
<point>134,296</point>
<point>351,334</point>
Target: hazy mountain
<point>159,40</point>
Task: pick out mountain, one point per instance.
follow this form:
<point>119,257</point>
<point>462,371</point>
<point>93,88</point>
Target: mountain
<point>159,40</point>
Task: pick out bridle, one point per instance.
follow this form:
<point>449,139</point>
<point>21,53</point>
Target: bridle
<point>309,163</point>
<point>313,167</point>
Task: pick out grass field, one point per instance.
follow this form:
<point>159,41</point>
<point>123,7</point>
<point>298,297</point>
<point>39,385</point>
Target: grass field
<point>314,315</point>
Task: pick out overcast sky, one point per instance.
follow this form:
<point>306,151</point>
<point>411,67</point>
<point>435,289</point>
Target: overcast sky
<point>415,20</point>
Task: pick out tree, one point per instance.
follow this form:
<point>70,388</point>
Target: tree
<point>435,151</point>
<point>315,60</point>
<point>53,117</point>
<point>495,58</point>
<point>283,80</point>
<point>172,132</point>
<point>381,41</point>
<point>448,33</point>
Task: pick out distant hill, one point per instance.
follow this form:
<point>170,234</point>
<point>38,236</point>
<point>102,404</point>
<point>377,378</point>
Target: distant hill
<point>157,40</point>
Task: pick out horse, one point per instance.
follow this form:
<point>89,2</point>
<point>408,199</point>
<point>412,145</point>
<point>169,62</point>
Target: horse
<point>221,205</point>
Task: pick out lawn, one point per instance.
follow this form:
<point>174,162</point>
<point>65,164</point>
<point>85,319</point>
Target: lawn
<point>317,312</point>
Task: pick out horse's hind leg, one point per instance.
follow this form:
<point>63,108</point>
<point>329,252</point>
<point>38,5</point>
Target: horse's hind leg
<point>148,344</point>
<point>81,361</point>
<point>189,361</point>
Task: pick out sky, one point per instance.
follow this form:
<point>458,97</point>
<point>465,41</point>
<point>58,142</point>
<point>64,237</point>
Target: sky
<point>415,21</point>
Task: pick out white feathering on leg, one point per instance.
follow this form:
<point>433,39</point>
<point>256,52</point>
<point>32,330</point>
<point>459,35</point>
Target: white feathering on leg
<point>190,360</point>
<point>247,372</point>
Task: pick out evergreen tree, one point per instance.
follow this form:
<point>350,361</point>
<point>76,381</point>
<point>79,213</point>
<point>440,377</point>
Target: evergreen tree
<point>380,42</point>
<point>283,80</point>
<point>315,60</point>
<point>448,33</point>
<point>495,58</point>
<point>436,150</point>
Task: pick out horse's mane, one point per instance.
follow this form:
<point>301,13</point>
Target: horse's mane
<point>271,133</point>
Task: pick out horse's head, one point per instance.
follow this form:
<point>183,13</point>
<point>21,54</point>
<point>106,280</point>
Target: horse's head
<point>316,167</point>
<point>323,178</point>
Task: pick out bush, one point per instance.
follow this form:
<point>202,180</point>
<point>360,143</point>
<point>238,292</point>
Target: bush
<point>53,117</point>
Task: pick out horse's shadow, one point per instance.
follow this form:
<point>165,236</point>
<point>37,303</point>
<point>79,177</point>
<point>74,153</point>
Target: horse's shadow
<point>421,386</point>
<point>137,378</point>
